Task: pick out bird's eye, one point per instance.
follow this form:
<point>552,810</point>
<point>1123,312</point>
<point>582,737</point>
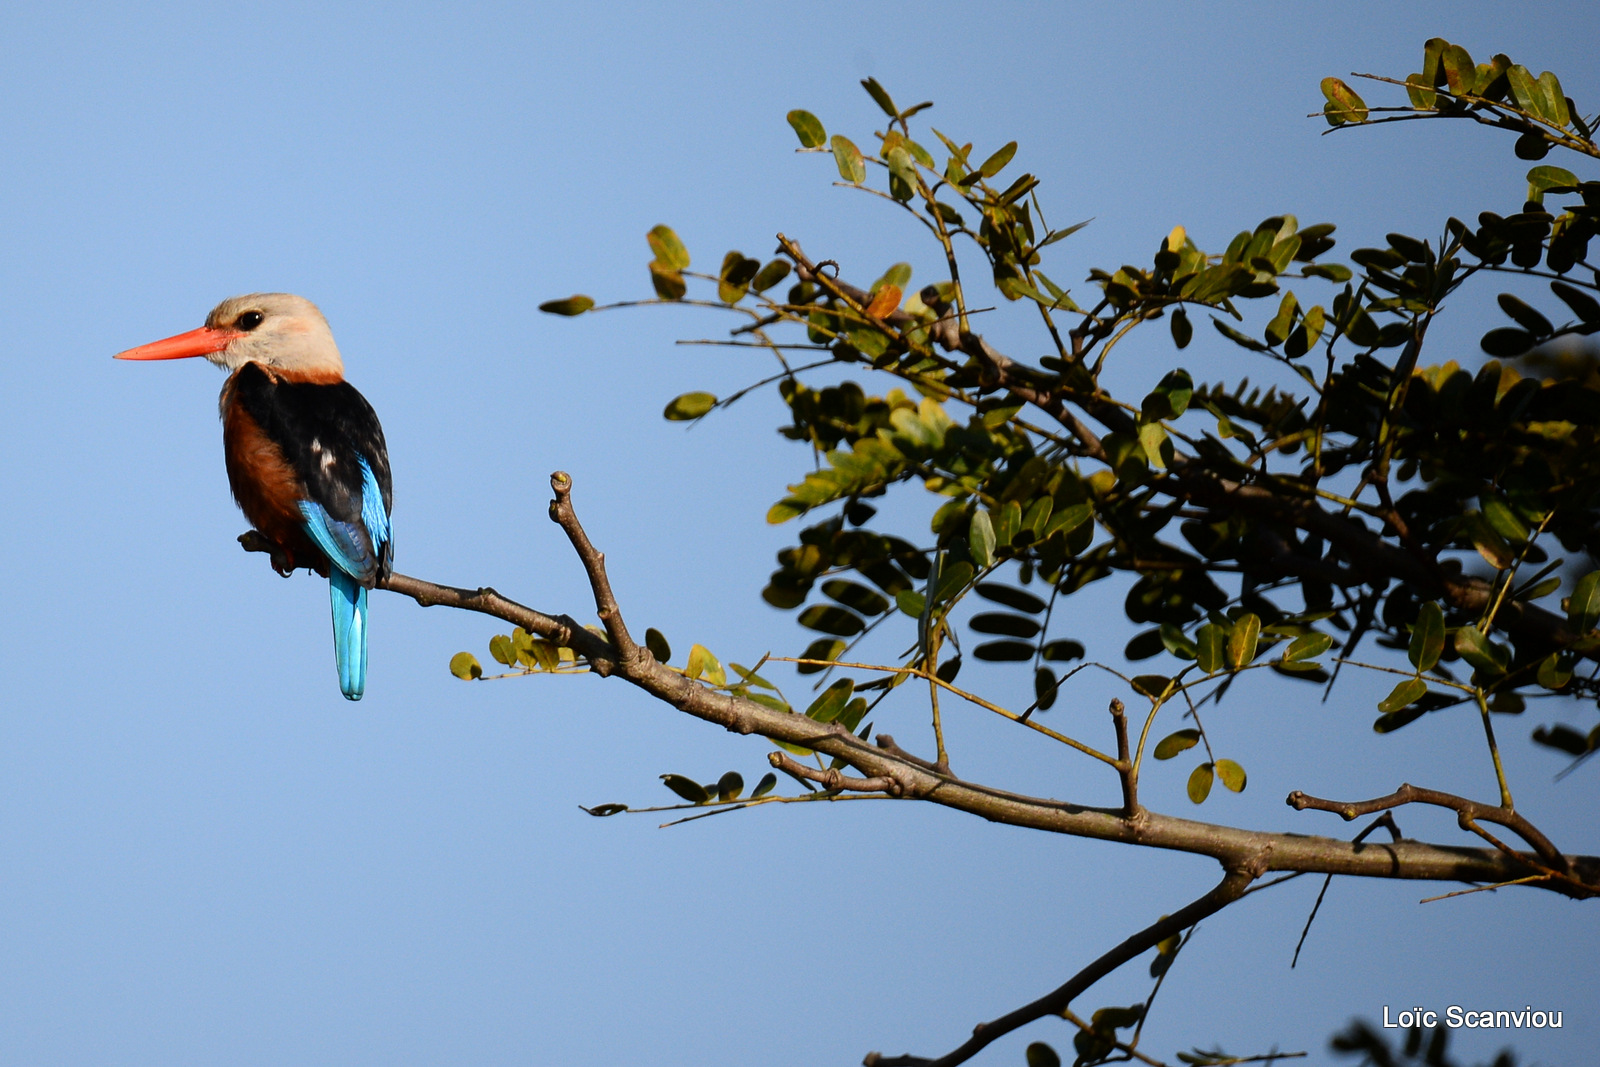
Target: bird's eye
<point>249,320</point>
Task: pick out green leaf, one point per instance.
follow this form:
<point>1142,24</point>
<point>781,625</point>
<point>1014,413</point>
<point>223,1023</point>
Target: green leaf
<point>1175,743</point>
<point>1040,1054</point>
<point>1004,651</point>
<point>1506,342</point>
<point>689,406</point>
<point>1044,688</point>
<point>1200,783</point>
<point>465,665</point>
<point>572,305</point>
<point>1242,641</point>
<point>1283,322</point>
<point>1478,650</point>
<point>852,168</point>
<point>701,661</point>
<point>1582,304</point>
<point>1182,328</point>
<point>1344,105</point>
<point>730,785</point>
<point>910,602</point>
<point>1555,670</point>
<point>1407,692</point>
<point>807,128</point>
<point>765,786</point>
<point>878,94</point>
<point>823,648</point>
<point>668,250</point>
<point>1544,178</point>
<point>1060,651</point>
<point>1555,99</point>
<point>1525,91</point>
<point>668,283</point>
<point>773,273</point>
<point>1211,642</point>
<point>733,282</point>
<point>1152,687</point>
<point>1427,639</point>
<point>831,701</point>
<point>1010,596</point>
<point>854,595</point>
<point>1231,774</point>
<point>831,620</point>
<point>997,162</point>
<point>1307,646</point>
<point>1460,72</point>
<point>981,538</point>
<point>656,642</point>
<point>1004,623</point>
<point>1583,608</point>
<point>503,651</point>
<point>687,788</point>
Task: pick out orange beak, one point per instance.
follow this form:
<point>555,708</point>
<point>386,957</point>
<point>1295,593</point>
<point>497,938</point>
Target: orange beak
<point>199,342</point>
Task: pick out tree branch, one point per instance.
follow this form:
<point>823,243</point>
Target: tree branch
<point>1230,889</point>
<point>1466,809</point>
<point>1230,846</point>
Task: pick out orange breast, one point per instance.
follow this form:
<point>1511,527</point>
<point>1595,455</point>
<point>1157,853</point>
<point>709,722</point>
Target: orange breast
<point>265,485</point>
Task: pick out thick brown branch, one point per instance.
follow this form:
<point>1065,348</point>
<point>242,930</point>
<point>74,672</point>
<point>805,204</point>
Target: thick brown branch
<point>1466,809</point>
<point>1230,889</point>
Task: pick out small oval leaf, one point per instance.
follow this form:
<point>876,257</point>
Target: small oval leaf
<point>1175,743</point>
<point>465,665</point>
<point>1231,775</point>
<point>1408,692</point>
<point>808,128</point>
<point>576,304</point>
<point>689,406</point>
<point>687,788</point>
<point>1200,783</point>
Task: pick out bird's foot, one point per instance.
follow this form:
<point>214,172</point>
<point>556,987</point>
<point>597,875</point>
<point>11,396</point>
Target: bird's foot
<point>256,541</point>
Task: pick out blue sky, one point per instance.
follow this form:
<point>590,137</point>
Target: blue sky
<point>208,856</point>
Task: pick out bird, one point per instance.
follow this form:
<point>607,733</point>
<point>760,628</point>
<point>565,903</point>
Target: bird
<point>304,450</point>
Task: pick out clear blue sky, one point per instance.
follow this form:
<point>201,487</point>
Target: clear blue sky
<point>207,856</point>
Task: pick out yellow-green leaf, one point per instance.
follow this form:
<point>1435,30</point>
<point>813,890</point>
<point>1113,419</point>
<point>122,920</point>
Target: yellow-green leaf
<point>997,162</point>
<point>1427,638</point>
<point>1242,642</point>
<point>808,128</point>
<point>572,305</point>
<point>689,406</point>
<point>687,788</point>
<point>1307,646</point>
<point>1406,693</point>
<point>465,665</point>
<point>852,168</point>
<point>1211,642</point>
<point>1231,774</point>
<point>1175,743</point>
<point>503,651</point>
<point>669,251</point>
<point>1200,783</point>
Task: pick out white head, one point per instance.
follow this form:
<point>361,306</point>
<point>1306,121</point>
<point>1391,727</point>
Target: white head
<point>278,330</point>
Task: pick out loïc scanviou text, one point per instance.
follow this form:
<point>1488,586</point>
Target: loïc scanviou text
<point>1456,1017</point>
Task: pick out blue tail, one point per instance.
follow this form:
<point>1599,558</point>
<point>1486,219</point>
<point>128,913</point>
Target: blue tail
<point>349,631</point>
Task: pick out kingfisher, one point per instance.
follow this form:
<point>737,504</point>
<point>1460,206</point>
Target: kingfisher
<point>304,450</point>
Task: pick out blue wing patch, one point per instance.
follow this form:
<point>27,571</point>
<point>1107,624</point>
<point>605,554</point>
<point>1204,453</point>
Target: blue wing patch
<point>352,547</point>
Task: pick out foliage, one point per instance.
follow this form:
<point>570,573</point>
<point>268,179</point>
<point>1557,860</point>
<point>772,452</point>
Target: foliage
<point>1440,519</point>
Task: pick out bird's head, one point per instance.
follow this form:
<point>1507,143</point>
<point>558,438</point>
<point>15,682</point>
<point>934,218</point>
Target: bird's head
<point>284,332</point>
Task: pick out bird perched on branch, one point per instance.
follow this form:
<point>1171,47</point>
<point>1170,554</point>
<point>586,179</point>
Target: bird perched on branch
<point>304,450</point>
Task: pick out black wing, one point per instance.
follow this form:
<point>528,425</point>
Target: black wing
<point>325,432</point>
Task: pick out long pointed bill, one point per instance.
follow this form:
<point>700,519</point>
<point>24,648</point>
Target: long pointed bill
<point>201,342</point>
